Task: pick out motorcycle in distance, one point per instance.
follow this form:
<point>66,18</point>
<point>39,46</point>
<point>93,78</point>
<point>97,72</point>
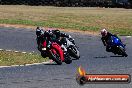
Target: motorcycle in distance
<point>54,52</point>
<point>117,46</point>
<point>72,49</point>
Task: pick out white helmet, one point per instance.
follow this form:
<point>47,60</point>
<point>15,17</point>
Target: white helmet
<point>104,32</point>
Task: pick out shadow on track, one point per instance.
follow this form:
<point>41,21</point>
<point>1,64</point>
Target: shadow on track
<point>107,57</point>
<point>101,57</point>
<point>75,59</point>
<point>51,64</point>
<point>116,56</point>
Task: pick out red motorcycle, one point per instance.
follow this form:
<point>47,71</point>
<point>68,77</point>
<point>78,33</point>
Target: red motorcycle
<point>54,52</point>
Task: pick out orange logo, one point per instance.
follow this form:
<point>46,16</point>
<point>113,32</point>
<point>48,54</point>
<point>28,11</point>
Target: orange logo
<point>83,78</point>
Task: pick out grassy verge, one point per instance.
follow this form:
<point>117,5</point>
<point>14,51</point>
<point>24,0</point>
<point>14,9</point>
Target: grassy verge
<point>12,58</point>
<point>117,20</point>
<point>49,24</point>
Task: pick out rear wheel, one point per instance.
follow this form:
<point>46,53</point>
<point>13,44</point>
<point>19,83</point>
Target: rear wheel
<point>43,54</point>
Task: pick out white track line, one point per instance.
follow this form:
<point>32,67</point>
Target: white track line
<point>24,52</point>
<point>1,49</point>
<point>128,36</point>
<point>38,63</point>
<point>16,51</point>
<point>48,62</point>
<point>8,50</point>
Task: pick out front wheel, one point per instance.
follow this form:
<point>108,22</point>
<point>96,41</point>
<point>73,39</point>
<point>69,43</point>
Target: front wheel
<point>68,59</point>
<point>74,52</point>
<point>56,58</point>
<point>125,55</point>
<point>122,51</point>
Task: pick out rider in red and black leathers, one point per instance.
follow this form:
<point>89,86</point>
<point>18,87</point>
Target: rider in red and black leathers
<point>59,34</point>
<point>51,36</point>
<point>55,35</point>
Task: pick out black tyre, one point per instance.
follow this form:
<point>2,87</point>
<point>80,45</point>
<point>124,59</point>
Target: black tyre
<point>122,51</point>
<point>56,58</point>
<point>125,55</point>
<point>43,54</point>
<point>74,52</point>
<point>68,60</point>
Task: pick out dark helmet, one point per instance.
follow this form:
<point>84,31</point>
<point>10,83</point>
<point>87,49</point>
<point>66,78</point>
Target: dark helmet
<point>39,31</point>
<point>38,28</point>
<point>104,32</point>
<point>50,32</point>
<point>57,32</point>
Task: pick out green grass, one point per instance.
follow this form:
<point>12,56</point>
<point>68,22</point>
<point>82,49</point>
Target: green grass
<point>49,24</point>
<point>117,20</point>
<point>12,58</point>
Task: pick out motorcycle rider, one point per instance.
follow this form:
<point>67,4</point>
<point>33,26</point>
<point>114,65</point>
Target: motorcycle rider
<point>40,36</point>
<point>51,35</point>
<point>106,39</point>
<point>55,35</point>
<point>61,34</point>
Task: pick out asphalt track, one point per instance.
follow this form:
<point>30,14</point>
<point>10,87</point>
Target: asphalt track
<point>94,59</point>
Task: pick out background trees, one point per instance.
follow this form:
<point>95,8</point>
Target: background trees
<point>69,3</point>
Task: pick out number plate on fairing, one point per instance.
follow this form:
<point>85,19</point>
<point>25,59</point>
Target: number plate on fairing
<point>43,48</point>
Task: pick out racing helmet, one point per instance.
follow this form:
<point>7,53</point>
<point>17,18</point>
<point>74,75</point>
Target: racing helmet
<point>50,32</point>
<point>39,31</point>
<point>57,32</point>
<point>104,32</point>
